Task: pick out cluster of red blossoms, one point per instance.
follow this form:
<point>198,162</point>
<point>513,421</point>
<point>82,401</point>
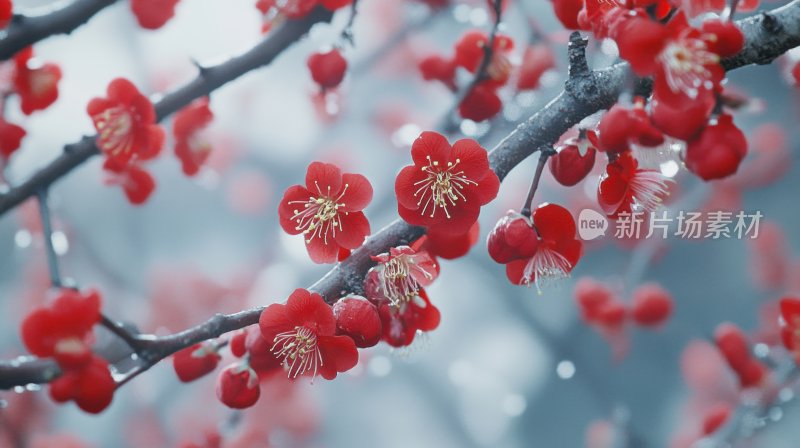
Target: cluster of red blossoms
<point>651,306</point>
<point>308,337</point>
<point>536,249</point>
<point>684,62</point>
<point>153,14</point>
<point>36,84</point>
<point>128,136</point>
<point>275,10</point>
<point>304,337</point>
<point>483,101</point>
<point>63,331</point>
<point>735,348</point>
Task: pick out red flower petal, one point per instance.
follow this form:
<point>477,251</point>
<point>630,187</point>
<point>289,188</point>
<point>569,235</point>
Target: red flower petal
<point>339,354</point>
<point>356,194</point>
<point>323,179</point>
<point>308,309</point>
<point>355,228</point>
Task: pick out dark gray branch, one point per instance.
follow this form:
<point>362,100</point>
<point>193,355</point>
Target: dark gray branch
<point>24,31</point>
<point>590,93</point>
<point>207,80</point>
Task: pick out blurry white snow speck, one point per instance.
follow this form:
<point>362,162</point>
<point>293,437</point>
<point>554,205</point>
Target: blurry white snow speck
<point>60,242</point>
<point>405,135</point>
<point>23,238</point>
<point>565,369</point>
<point>670,168</point>
<point>514,405</point>
<point>478,16</point>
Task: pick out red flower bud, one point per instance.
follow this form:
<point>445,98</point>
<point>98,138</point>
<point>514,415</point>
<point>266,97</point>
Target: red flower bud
<point>652,305</point>
<point>196,361</point>
<point>358,319</point>
<point>573,161</point>
<point>732,343</point>
<point>591,296</point>
<point>437,68</point>
<point>717,151</point>
<point>611,314</point>
<point>513,238</point>
<point>237,386</point>
<point>481,104</point>
<point>238,344</point>
<point>327,69</point>
<point>716,417</point>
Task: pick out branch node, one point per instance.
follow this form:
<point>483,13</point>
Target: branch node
<point>770,24</point>
<point>578,66</point>
<point>17,19</point>
<point>201,69</point>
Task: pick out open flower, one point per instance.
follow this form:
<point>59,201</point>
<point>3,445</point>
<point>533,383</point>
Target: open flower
<point>402,324</point>
<point>35,82</point>
<point>303,336</point>
<point>153,14</point>
<point>446,187</point>
<point>327,211</point>
<point>63,330</point>
<point>11,137</point>
<point>136,182</point>
<point>191,146</point>
<point>626,186</point>
<point>91,387</point>
<point>556,253</point>
<point>401,273</point>
<point>126,124</point>
<point>471,49</point>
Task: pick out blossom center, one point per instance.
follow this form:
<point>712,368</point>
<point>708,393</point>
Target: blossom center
<point>299,350</point>
<point>442,188</point>
<point>685,64</point>
<point>397,283</point>
<point>71,346</point>
<point>319,215</point>
<point>499,68</point>
<point>42,81</point>
<point>114,126</point>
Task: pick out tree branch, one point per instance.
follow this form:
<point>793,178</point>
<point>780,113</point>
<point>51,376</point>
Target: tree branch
<point>208,80</point>
<point>24,31</point>
<point>590,93</point>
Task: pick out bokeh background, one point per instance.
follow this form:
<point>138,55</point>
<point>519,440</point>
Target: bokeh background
<point>507,367</point>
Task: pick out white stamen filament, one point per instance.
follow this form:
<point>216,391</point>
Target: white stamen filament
<point>545,268</point>
<point>318,217</point>
<point>299,351</point>
<point>684,63</point>
<point>441,187</point>
<point>114,128</point>
<point>397,283</point>
<point>649,189</point>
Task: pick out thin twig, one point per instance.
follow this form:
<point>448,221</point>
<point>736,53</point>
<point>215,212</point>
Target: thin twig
<point>120,331</point>
<point>544,154</point>
<point>47,237</point>
<point>347,31</point>
<point>24,31</point>
<point>480,74</point>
